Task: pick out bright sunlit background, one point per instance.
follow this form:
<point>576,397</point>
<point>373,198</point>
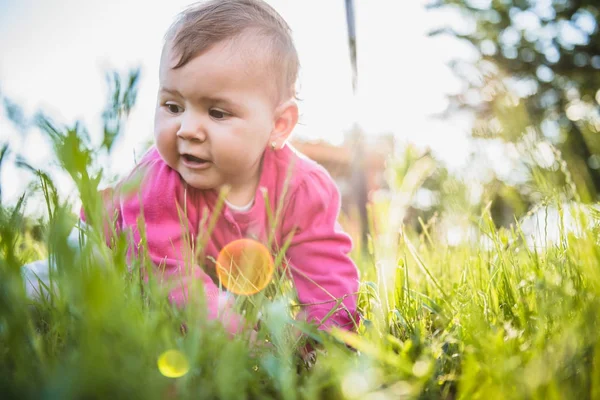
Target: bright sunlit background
<point>55,54</point>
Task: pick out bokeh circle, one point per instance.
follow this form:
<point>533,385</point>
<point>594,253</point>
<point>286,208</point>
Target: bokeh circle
<point>245,266</point>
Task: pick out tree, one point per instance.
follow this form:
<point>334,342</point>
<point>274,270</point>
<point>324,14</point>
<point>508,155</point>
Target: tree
<point>536,77</point>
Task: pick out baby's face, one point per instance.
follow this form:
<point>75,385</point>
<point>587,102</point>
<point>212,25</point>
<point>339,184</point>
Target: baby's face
<point>214,117</point>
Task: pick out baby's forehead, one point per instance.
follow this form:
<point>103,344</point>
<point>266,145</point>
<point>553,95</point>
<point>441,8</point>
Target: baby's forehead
<point>248,55</point>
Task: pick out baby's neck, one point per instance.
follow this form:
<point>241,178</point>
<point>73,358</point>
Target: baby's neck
<point>242,196</point>
<point>240,201</point>
<point>237,208</point>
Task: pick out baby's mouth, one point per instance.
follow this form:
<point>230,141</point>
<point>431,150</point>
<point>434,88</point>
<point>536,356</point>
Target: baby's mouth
<point>193,160</point>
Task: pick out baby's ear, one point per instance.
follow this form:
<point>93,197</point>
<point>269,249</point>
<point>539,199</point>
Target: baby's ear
<point>286,118</point>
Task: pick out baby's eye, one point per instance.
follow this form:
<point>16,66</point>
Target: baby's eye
<point>173,108</point>
<point>217,114</point>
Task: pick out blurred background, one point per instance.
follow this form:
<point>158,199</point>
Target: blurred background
<point>432,109</point>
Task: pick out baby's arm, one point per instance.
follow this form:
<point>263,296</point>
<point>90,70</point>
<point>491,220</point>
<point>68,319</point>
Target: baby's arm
<point>36,275</point>
<point>325,277</point>
<point>185,280</point>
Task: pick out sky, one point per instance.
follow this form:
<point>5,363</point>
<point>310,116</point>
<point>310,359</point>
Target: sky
<point>55,54</point>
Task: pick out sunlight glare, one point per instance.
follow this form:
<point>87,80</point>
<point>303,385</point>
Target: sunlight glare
<point>245,266</point>
<point>173,364</point>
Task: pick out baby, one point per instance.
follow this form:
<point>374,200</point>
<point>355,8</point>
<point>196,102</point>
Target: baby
<point>225,109</point>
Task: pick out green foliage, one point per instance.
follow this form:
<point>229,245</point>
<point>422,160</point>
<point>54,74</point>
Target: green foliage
<point>490,318</point>
<point>535,78</point>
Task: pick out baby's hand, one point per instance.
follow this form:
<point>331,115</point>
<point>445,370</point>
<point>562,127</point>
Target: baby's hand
<point>308,357</point>
<point>309,352</point>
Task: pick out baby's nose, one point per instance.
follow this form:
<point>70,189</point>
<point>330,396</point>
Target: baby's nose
<point>191,129</point>
<point>192,136</point>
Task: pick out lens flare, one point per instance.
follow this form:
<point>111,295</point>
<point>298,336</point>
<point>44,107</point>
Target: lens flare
<point>173,364</point>
<point>245,266</point>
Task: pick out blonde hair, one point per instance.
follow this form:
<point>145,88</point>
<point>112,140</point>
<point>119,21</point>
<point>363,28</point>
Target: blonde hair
<point>207,23</point>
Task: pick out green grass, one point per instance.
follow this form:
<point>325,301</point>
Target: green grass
<point>493,319</point>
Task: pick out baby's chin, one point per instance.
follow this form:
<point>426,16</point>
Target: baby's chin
<point>198,182</point>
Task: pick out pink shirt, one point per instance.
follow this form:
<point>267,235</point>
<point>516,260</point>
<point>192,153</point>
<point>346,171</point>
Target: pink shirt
<point>318,259</point>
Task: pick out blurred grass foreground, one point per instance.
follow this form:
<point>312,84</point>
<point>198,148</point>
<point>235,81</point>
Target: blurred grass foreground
<point>494,317</point>
<point>488,289</point>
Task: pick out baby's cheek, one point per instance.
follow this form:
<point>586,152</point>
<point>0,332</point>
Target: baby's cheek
<point>232,163</point>
<point>230,152</point>
<point>166,127</point>
<point>167,148</point>
<point>160,122</point>
<point>247,160</point>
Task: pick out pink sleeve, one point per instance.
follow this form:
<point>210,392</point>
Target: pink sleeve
<point>325,277</point>
<point>111,198</point>
<point>150,189</point>
<point>160,200</point>
<point>219,304</point>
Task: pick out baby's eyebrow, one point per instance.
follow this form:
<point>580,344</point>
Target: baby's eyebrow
<point>207,99</point>
<point>218,100</point>
<point>170,91</point>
